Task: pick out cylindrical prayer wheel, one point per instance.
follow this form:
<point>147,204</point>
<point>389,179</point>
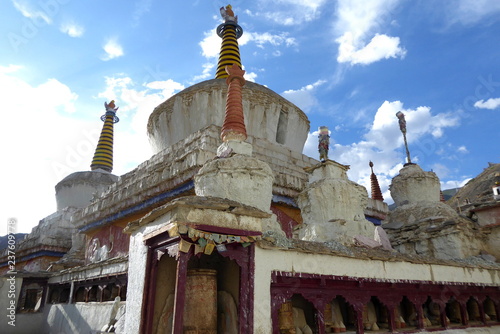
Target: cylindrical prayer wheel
<point>473,310</point>
<point>328,313</point>
<point>200,308</point>
<point>285,318</point>
<point>489,309</point>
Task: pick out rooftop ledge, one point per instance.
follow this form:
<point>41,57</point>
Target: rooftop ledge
<point>213,211</point>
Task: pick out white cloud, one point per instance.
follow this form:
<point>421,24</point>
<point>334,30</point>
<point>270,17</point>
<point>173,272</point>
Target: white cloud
<point>468,12</point>
<point>359,20</point>
<point>141,7</point>
<point>304,97</point>
<point>383,143</point>
<point>211,43</point>
<point>10,69</point>
<point>380,47</point>
<point>290,12</point>
<point>441,170</point>
<point>29,12</point>
<point>207,72</point>
<point>463,149</point>
<point>138,103</point>
<point>420,121</point>
<point>491,103</point>
<point>273,39</point>
<point>452,184</point>
<point>41,156</point>
<point>167,88</point>
<point>250,76</point>
<point>112,49</point>
<point>72,29</point>
<point>35,144</point>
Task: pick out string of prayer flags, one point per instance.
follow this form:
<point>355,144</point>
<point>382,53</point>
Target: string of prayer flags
<point>173,231</point>
<point>198,249</point>
<point>221,248</point>
<point>206,242</point>
<point>209,248</point>
<point>184,246</point>
<point>202,242</point>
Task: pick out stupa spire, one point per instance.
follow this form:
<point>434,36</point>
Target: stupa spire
<point>229,31</point>
<point>402,127</point>
<point>233,127</point>
<point>103,156</point>
<point>376,193</point>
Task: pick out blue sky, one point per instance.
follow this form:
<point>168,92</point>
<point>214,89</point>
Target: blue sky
<point>350,65</point>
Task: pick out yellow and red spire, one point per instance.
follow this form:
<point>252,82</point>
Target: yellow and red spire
<point>103,156</point>
<point>229,31</point>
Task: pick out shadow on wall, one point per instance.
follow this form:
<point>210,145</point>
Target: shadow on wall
<point>77,318</point>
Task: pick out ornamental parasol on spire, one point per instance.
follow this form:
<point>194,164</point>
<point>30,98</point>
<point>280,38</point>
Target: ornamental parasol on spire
<point>402,127</point>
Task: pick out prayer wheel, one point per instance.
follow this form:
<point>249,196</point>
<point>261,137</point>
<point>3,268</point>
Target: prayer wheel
<point>285,318</point>
<point>454,314</point>
<point>200,308</point>
<point>473,310</point>
<point>489,309</point>
<point>328,316</point>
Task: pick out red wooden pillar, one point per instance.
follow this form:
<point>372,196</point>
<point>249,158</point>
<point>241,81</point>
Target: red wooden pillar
<point>180,291</point>
<point>420,316</point>
<point>358,311</point>
<point>390,302</point>
<point>463,312</point>
<point>418,300</point>
<point>481,310</point>
<point>442,314</point>
<point>316,299</point>
<point>497,310</point>
<point>245,310</point>
<point>319,304</point>
<point>391,312</point>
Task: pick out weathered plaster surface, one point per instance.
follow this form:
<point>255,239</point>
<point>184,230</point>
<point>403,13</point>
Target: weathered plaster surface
<point>136,280</point>
<point>413,185</point>
<point>240,178</point>
<point>53,233</point>
<point>197,210</point>
<point>78,189</point>
<point>267,115</point>
<point>332,206</point>
<point>488,216</point>
<point>178,164</point>
<point>493,242</point>
<point>80,317</point>
<point>432,229</point>
<point>422,225</point>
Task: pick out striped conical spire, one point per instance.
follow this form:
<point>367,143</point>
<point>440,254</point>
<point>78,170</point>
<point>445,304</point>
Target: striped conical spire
<point>376,193</point>
<point>103,156</point>
<point>229,31</point>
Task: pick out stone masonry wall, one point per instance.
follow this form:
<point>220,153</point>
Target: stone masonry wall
<point>180,162</point>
